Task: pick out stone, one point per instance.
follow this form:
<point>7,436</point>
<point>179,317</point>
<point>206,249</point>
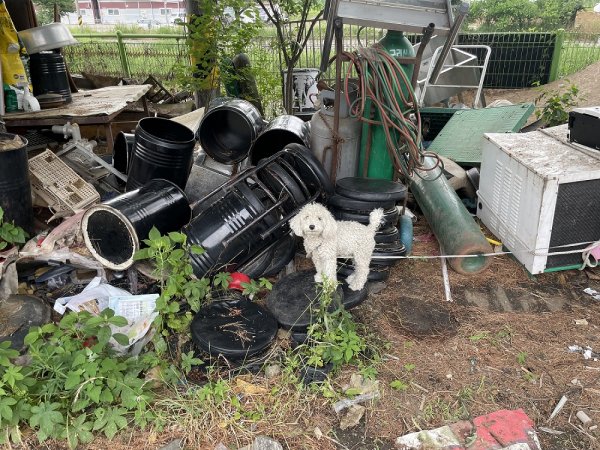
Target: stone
<point>263,443</point>
<point>272,370</point>
<point>173,445</point>
<point>352,417</point>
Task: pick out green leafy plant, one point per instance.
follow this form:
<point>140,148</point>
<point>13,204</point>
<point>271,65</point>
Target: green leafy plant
<point>333,337</point>
<point>10,233</point>
<point>555,110</point>
<point>181,292</point>
<point>254,287</point>
<point>522,358</point>
<point>75,384</point>
<point>399,385</point>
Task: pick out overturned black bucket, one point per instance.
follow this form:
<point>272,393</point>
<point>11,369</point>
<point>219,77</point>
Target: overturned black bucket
<point>49,75</point>
<point>162,149</point>
<point>15,190</point>
<point>280,132</point>
<point>112,231</point>
<point>228,129</point>
<point>122,150</point>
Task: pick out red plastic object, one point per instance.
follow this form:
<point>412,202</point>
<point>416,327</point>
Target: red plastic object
<point>237,279</point>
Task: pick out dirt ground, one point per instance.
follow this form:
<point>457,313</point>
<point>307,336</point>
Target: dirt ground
<point>587,80</point>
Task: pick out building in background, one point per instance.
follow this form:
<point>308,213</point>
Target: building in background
<point>147,13</point>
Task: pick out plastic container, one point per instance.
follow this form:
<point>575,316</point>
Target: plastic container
<point>322,139</point>
<point>122,151</point>
<point>280,132</point>
<point>228,129</point>
<point>49,75</point>
<point>15,190</point>
<point>162,149</point>
<point>46,37</point>
<point>113,231</point>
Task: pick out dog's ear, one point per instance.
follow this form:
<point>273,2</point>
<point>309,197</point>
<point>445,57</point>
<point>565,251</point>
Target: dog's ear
<point>330,228</point>
<point>296,225</point>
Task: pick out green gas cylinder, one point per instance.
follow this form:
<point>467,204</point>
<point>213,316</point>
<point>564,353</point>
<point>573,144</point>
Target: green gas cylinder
<point>380,164</point>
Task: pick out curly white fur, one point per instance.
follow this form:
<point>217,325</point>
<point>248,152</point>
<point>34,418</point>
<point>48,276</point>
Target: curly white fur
<point>326,239</point>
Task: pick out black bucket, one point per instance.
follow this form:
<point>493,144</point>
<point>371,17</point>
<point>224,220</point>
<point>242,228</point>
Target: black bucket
<point>49,75</point>
<point>112,231</point>
<point>280,132</point>
<point>163,149</point>
<point>225,232</point>
<point>15,190</point>
<point>227,130</point>
<point>122,150</point>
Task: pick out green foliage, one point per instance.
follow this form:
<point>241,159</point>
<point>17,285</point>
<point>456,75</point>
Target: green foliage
<point>74,384</point>
<point>524,15</point>
<point>399,385</point>
<point>45,9</point>
<point>254,287</point>
<point>215,36</point>
<point>522,358</point>
<point>9,233</point>
<point>333,337</point>
<point>181,292</point>
<point>555,110</point>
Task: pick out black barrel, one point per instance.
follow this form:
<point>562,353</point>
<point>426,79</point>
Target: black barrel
<point>162,149</point>
<point>228,129</point>
<point>280,132</point>
<point>15,190</point>
<point>226,233</point>
<point>113,231</point>
<point>122,150</point>
<point>49,75</point>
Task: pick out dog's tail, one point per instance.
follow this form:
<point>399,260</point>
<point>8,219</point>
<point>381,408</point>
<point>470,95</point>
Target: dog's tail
<point>375,220</point>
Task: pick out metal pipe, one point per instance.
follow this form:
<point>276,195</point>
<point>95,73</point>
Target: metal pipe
<point>427,34</point>
<point>339,31</point>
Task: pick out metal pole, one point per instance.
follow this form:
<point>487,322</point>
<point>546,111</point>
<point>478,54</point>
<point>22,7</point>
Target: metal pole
<point>339,43</point>
<point>123,54</point>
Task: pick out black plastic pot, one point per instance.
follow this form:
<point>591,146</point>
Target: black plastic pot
<point>235,329</point>
<point>122,150</point>
<point>49,75</point>
<point>113,231</point>
<point>162,149</point>
<point>15,190</point>
<point>375,273</point>
<point>349,204</point>
<point>228,129</point>
<point>390,217</point>
<point>388,235</point>
<point>280,132</point>
<point>226,232</point>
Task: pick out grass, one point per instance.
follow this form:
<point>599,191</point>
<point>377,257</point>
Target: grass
<point>576,56</point>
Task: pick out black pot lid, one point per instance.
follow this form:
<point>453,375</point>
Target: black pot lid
<point>390,217</point>
<point>309,168</point>
<point>370,189</point>
<point>255,267</point>
<point>396,248</point>
<point>294,298</point>
<point>354,298</point>
<point>360,206</point>
<point>18,313</point>
<point>235,329</point>
<point>376,273</point>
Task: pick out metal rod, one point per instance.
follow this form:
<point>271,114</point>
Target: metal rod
<point>339,32</point>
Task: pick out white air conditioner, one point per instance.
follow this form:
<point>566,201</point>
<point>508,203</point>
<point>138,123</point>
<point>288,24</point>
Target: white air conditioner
<point>540,195</point>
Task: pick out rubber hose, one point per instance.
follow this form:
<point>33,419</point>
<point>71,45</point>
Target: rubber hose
<point>455,229</point>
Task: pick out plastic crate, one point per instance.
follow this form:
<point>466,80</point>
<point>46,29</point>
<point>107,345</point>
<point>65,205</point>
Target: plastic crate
<point>58,185</point>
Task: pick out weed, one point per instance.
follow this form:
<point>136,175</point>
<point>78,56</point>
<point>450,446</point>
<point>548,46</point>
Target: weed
<point>399,385</point>
<point>482,335</point>
<point>10,233</point>
<point>522,358</point>
<point>409,367</point>
<point>555,110</point>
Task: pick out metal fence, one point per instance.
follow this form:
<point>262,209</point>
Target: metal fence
<point>518,59</point>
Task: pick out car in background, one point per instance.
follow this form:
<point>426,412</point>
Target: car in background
<point>150,23</point>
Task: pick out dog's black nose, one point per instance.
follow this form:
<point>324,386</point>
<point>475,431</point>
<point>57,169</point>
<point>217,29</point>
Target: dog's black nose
<point>312,227</point>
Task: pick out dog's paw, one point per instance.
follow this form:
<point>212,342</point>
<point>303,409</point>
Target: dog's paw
<point>318,278</point>
<point>350,279</point>
<point>355,286</point>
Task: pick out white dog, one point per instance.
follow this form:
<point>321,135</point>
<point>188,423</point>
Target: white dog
<point>326,239</point>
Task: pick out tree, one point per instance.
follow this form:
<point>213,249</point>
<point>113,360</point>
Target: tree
<point>557,14</point>
<point>45,9</point>
<point>292,35</point>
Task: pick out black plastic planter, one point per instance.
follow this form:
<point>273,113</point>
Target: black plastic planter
<point>15,190</point>
<point>122,151</point>
<point>112,231</point>
<point>278,134</point>
<point>228,129</point>
<point>162,149</point>
<point>49,75</point>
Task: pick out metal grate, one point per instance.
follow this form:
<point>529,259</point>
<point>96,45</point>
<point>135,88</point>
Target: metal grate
<point>576,219</point>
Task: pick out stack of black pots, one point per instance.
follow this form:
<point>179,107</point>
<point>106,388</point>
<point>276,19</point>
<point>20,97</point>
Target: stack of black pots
<point>354,200</point>
<point>245,228</point>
